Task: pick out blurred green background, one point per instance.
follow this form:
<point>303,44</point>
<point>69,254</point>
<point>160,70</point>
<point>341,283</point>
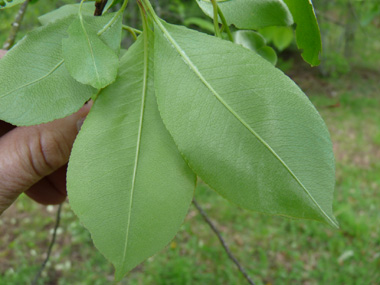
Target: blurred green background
<point>345,88</point>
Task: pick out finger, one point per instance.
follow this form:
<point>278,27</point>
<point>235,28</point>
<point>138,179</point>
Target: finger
<point>27,154</point>
<point>50,190</point>
<point>2,52</point>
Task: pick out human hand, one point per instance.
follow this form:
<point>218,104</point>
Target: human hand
<point>33,159</point>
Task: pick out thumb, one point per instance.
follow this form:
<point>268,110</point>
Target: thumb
<point>27,154</point>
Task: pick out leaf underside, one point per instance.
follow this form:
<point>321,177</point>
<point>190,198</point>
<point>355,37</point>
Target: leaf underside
<point>127,181</point>
<point>88,59</point>
<point>243,126</point>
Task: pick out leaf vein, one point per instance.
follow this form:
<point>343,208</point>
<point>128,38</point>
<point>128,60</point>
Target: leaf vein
<point>90,47</point>
<point>34,81</point>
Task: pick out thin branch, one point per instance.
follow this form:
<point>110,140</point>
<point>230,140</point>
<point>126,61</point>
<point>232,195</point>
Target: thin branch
<point>15,26</point>
<point>222,241</point>
<point>43,265</point>
<point>99,7</point>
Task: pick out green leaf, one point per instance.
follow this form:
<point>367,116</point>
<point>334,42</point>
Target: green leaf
<point>249,39</point>
<point>35,86</point>
<point>307,31</point>
<point>4,4</point>
<point>88,9</point>
<point>201,23</point>
<point>254,41</point>
<point>243,126</point>
<point>111,35</point>
<point>281,37</point>
<point>127,181</point>
<point>269,54</point>
<point>250,14</point>
<point>88,59</point>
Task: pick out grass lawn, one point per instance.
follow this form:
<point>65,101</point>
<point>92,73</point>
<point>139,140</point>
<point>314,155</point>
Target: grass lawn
<point>274,250</point>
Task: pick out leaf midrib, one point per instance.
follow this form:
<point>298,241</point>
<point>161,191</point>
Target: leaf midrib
<point>192,66</point>
<point>138,145</point>
<point>90,47</point>
<point>34,81</point>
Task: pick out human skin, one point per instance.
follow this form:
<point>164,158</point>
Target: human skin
<point>33,159</point>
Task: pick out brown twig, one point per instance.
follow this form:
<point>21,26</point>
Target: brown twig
<point>222,241</point>
<point>15,26</point>
<point>43,265</point>
<point>99,7</point>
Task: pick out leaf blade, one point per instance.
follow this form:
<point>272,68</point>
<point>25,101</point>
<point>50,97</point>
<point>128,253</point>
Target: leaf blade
<point>233,126</point>
<point>254,41</point>
<point>307,32</point>
<point>149,186</point>
<point>88,59</point>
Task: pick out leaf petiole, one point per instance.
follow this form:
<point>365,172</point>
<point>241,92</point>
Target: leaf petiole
<point>225,25</point>
<point>216,22</point>
<point>131,30</point>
